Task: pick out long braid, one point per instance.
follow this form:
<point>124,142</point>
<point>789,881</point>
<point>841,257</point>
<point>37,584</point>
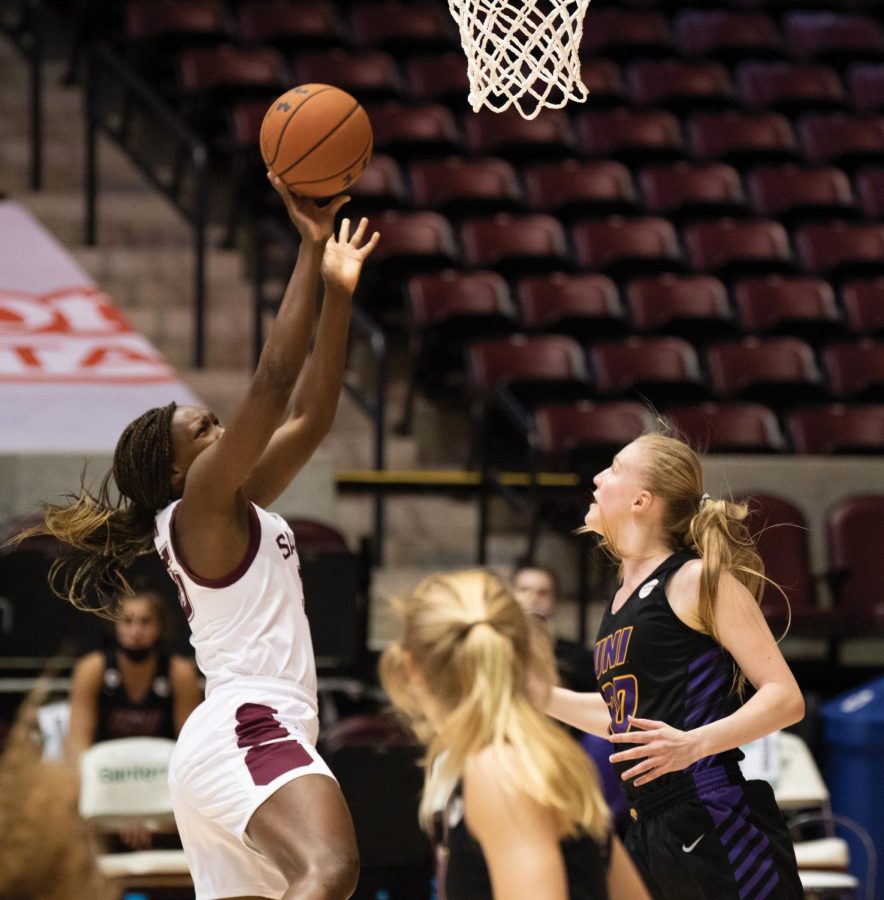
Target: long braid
<point>104,536</point>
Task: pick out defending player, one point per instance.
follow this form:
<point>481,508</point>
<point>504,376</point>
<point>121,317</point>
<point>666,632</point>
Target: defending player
<point>258,811</point>
<point>676,646</point>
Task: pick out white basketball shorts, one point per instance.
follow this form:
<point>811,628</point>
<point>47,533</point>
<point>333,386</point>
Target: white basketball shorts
<point>242,744</point>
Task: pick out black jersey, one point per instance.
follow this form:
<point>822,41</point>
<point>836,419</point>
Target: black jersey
<point>120,716</point>
<point>650,665</point>
<point>463,873</point>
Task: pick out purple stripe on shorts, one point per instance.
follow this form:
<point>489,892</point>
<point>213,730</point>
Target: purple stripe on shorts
<point>730,835</point>
<point>771,884</point>
<point>754,837</point>
<point>257,724</point>
<point>269,761</point>
<point>746,889</point>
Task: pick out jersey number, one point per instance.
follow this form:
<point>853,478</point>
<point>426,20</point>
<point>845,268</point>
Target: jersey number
<point>183,599</point>
<point>621,695</point>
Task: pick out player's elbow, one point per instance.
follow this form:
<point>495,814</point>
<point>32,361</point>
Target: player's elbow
<point>794,707</point>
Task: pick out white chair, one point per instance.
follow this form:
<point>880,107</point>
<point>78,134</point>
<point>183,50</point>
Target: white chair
<point>125,782</point>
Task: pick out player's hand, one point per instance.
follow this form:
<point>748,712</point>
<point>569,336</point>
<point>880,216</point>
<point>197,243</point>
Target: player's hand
<point>344,255</point>
<point>663,749</point>
<point>314,223</point>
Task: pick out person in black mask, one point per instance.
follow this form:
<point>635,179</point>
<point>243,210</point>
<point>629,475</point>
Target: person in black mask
<point>133,688</point>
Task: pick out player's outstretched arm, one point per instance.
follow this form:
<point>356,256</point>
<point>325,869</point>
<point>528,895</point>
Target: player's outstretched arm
<point>218,472</point>
<point>315,399</point>
<point>586,711</point>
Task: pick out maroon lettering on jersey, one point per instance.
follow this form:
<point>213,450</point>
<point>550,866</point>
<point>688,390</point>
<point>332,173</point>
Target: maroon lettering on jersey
<point>286,543</point>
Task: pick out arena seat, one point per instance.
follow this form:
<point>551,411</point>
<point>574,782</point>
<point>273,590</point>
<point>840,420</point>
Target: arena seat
<point>573,188</point>
<point>605,83</point>
<point>837,428</point>
<point>855,370</point>
<point>155,30</point>
<point>841,139</point>
<point>742,138</point>
<point>870,186</point>
<point>866,85</point>
<point>729,428</point>
<point>728,247</point>
<point>800,306</point>
<point>508,135</point>
<point>619,245</point>
<point>515,244</point>
<point>841,249</point>
<point>775,371</point>
<point>863,303</point>
<point>664,370</point>
<point>403,131</point>
<point>726,35</point>
<point>440,77</point>
<point>460,187</point>
<point>403,28</point>
<point>310,25</point>
<point>793,194</point>
<point>680,85</point>
<point>835,37</point>
<point>632,136</point>
<point>694,307</point>
<point>855,528</point>
<point>685,191</point>
<point>584,306</point>
<point>790,88</point>
<point>370,75</point>
<point>623,34</point>
<point>381,186</point>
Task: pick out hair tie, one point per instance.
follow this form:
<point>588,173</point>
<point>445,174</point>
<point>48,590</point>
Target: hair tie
<point>467,629</point>
<point>706,497</point>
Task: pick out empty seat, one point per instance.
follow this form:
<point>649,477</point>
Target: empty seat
<point>742,138</point>
<point>163,27</point>
<point>856,371</point>
<point>841,249</point>
<point>687,191</point>
<point>509,135</point>
<point>585,306</point>
<point>728,247</point>
<point>428,129</point>
<point>512,244</point>
<point>310,25</point>
<point>403,28</point>
<point>441,77</point>
<point>691,306</point>
<point>232,73</point>
<point>370,75</point>
<point>793,194</point>
<point>841,139</point>
<point>619,245</point>
<point>602,77</point>
<point>679,85</point>
<point>458,186</point>
<point>728,36</point>
<point>729,428</point>
<point>790,87</point>
<point>380,186</point>
<point>833,36</point>
<point>573,188</point>
<point>630,135</point>
<point>664,370</point>
<point>864,305</point>
<point>855,537</point>
<point>622,34</point>
<point>837,428</point>
<point>775,371</point>
<point>866,83</point>
<point>870,185</point>
<point>801,306</point>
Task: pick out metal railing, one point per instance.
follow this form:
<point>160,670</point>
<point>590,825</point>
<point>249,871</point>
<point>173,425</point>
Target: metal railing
<point>123,107</point>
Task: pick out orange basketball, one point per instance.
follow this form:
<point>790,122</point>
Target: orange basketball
<point>317,139</point>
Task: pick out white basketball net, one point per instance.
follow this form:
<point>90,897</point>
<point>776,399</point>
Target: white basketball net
<point>522,53</point>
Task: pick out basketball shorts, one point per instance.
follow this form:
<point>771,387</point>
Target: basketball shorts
<point>712,835</point>
<point>243,743</point>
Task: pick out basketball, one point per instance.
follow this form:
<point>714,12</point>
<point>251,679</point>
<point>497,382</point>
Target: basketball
<point>317,139</point>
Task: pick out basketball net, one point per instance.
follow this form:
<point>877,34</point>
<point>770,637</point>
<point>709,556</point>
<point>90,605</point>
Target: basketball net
<point>522,53</point>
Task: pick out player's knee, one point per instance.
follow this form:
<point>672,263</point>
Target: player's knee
<point>336,870</point>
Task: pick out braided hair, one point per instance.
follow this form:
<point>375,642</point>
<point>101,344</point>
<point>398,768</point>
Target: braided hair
<point>102,536</point>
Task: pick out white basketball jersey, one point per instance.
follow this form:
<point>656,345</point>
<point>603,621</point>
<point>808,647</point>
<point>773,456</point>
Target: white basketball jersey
<point>252,622</point>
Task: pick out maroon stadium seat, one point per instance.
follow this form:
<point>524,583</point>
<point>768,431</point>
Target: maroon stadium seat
<point>793,194</point>
<point>856,563</point>
<point>370,75</point>
<point>627,245</point>
<point>790,87</point>
<point>870,185</point>
<point>403,28</point>
<point>832,36</point>
<point>232,72</point>
<point>864,304</point>
<point>622,34</point>
<point>311,25</point>
<point>585,306</point>
<point>685,190</point>
<point>728,247</point>
<point>866,83</point>
<point>441,77</point>
<point>514,244</point>
<point>459,186</point>
<point>427,129</point>
<point>690,306</point>
<point>315,537</point>
<point>841,139</point>
<point>508,134</point>
<point>841,249</point>
<point>602,77</point>
<point>775,371</point>
<point>742,138</point>
<point>165,26</point>
<point>729,428</point>
<point>679,85</point>
<point>665,370</point>
<point>837,428</point>
<point>630,135</point>
<point>380,186</point>
<point>802,306</point>
<point>728,36</point>
<point>574,188</point>
<point>856,371</point>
